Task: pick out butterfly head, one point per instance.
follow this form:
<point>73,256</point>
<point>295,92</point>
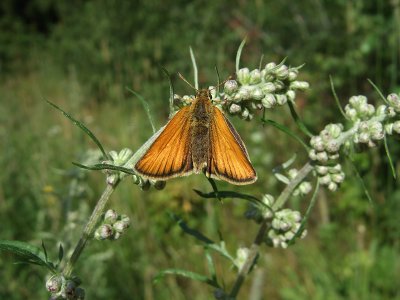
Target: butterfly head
<point>203,93</point>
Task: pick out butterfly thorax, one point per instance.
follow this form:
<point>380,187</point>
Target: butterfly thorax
<point>200,124</point>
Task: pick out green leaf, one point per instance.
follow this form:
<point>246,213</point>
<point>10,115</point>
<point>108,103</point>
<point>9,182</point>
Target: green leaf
<point>389,157</point>
<point>303,223</point>
<point>211,266</point>
<point>60,253</point>
<point>195,71</point>
<point>171,93</point>
<point>287,131</point>
<point>83,127</point>
<point>193,232</point>
<point>239,54</point>
<point>360,179</point>
<point>27,253</point>
<point>378,91</point>
<point>336,97</point>
<point>298,121</point>
<point>105,167</point>
<point>214,187</point>
<point>186,274</point>
<point>146,108</point>
<point>229,194</point>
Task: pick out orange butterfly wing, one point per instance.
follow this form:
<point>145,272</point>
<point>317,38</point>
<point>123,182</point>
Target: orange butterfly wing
<point>228,159</point>
<point>169,156</point>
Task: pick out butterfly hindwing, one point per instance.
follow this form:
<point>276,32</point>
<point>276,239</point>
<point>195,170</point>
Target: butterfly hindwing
<point>228,158</point>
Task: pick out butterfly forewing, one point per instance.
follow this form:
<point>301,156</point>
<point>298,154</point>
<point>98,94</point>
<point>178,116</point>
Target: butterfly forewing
<point>169,156</point>
<point>228,156</point>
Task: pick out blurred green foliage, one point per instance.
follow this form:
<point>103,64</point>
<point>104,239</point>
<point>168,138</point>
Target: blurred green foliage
<point>83,54</point>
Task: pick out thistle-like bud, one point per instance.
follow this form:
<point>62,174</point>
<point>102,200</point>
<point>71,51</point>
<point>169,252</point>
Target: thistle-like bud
<point>110,216</point>
<point>230,87</point>
<point>268,101</point>
<point>54,283</point>
<point>255,76</point>
<point>241,257</point>
<point>293,73</point>
<point>235,108</point>
<point>282,72</point>
<point>281,99</point>
<point>270,66</point>
<point>268,87</point>
<point>299,85</point>
<point>257,94</point>
<point>243,76</point>
<point>291,95</point>
<point>394,101</point>
<point>105,231</point>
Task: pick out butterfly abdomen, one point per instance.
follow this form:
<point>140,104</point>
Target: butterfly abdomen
<point>200,133</point>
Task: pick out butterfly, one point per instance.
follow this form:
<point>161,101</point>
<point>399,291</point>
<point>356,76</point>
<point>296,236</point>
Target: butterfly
<point>198,138</point>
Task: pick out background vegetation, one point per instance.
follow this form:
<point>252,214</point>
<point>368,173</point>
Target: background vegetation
<point>83,54</point>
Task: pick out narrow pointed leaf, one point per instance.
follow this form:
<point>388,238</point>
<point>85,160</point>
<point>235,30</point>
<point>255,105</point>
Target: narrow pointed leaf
<point>378,91</point>
<point>336,98</point>
<point>27,253</point>
<point>229,194</point>
<point>193,232</point>
<point>239,54</point>
<point>105,167</point>
<point>195,71</point>
<point>83,128</point>
<point>298,121</point>
<point>171,93</point>
<point>287,131</point>
<point>146,108</point>
<point>389,157</point>
<point>360,179</point>
<point>186,274</point>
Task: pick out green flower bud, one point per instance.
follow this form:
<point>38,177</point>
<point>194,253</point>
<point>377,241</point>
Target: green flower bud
<point>325,180</point>
<point>268,87</point>
<point>257,94</point>
<point>245,113</point>
<point>322,157</point>
<point>317,143</point>
<point>332,186</point>
<point>268,101</point>
<point>255,76</point>
<point>363,137</point>
<point>332,146</point>
<point>54,283</point>
<point>389,128</point>
<point>281,99</point>
<point>321,170</point>
<point>291,95</point>
<point>230,87</point>
<point>120,226</point>
<point>334,130</point>
<point>381,110</point>
<point>356,101</point>
<point>110,216</point>
<point>293,73</point>
<point>394,101</point>
<point>234,108</point>
<point>312,154</point>
<point>270,66</point>
<point>243,76</point>
<point>396,126</point>
<point>279,85</point>
<point>338,178</point>
<point>292,173</point>
<point>333,156</point>
<point>159,185</point>
<point>351,113</point>
<point>282,72</point>
<point>299,85</point>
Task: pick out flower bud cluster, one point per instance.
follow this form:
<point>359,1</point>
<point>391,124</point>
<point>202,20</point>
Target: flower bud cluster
<point>63,288</point>
<point>259,212</point>
<point>330,176</point>
<point>112,227</point>
<point>285,225</point>
<point>256,89</point>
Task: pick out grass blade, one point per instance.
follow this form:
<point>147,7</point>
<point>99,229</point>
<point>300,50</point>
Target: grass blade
<point>360,179</point>
<point>298,121</point>
<point>105,167</point>
<point>239,54</point>
<point>195,71</point>
<point>229,194</point>
<point>171,93</point>
<point>83,127</point>
<point>187,274</point>
<point>193,232</point>
<point>146,108</point>
<point>336,97</point>
<point>378,91</point>
<point>287,131</point>
<point>389,157</point>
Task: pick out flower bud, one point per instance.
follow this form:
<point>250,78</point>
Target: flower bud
<point>338,178</point>
<point>268,87</point>
<point>281,99</point>
<point>299,85</point>
<point>292,173</point>
<point>282,72</point>
<point>54,283</point>
<point>322,156</point>
<point>325,180</point>
<point>396,126</point>
<point>321,170</point>
<point>381,110</point>
<point>120,226</point>
<point>305,188</point>
<point>241,256</point>
<point>123,156</point>
<point>234,108</point>
<point>243,76</point>
<point>363,137</point>
<point>257,94</point>
<point>332,146</point>
<point>255,76</point>
<point>334,130</point>
<point>270,66</point>
<point>317,143</point>
<point>394,101</point>
<point>110,216</point>
<point>291,95</point>
<point>293,74</point>
<point>351,113</point>
<point>230,87</point>
<point>332,186</point>
<point>268,101</point>
<point>105,231</point>
<point>159,185</point>
<point>312,154</point>
<point>245,113</point>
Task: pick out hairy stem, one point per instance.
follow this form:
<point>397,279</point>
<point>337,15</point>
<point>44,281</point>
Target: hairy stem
<point>89,228</point>
<point>265,225</point>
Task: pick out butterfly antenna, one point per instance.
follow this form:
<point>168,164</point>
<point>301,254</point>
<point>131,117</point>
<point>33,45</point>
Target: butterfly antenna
<point>223,82</point>
<point>184,79</point>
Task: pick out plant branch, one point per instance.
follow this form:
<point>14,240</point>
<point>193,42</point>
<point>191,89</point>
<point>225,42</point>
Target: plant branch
<point>265,225</point>
<point>89,228</point>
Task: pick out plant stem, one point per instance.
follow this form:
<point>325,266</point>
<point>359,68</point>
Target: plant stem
<point>265,225</point>
<point>89,228</point>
